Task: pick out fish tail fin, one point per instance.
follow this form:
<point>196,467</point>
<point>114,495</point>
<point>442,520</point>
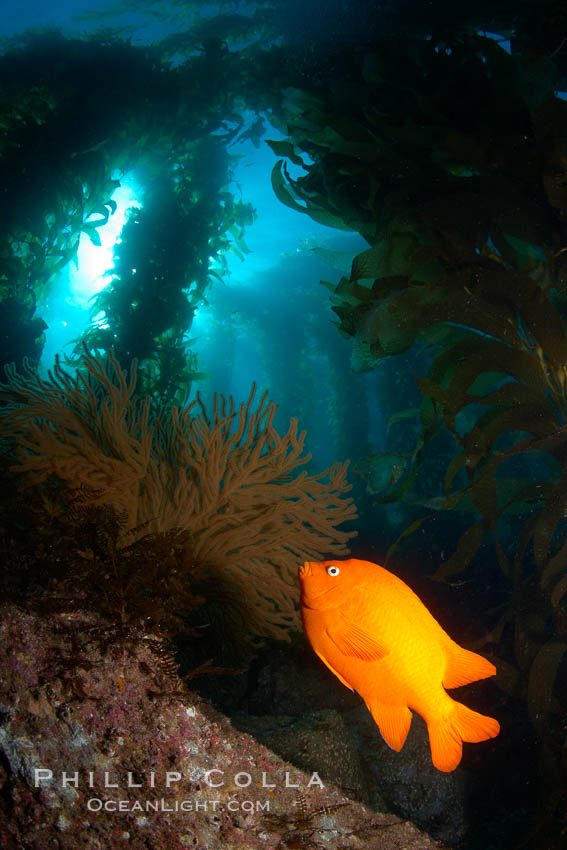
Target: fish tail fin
<point>464,666</point>
<point>446,734</point>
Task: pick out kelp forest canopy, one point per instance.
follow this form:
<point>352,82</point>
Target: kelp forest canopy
<point>438,132</point>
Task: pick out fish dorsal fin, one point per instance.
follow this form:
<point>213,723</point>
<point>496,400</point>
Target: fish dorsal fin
<point>464,666</point>
<point>353,641</point>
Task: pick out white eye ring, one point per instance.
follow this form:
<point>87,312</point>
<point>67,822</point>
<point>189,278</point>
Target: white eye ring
<point>333,571</point>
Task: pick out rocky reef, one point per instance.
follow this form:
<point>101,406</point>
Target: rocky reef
<point>103,745</point>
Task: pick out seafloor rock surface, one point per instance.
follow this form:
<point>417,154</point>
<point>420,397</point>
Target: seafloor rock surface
<point>300,710</point>
<point>101,745</point>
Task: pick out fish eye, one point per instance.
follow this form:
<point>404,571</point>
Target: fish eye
<point>333,571</point>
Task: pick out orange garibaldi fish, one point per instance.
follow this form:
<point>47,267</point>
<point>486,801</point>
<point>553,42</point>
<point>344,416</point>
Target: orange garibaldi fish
<point>379,639</point>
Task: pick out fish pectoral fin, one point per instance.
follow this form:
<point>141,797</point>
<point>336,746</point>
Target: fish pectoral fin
<point>393,721</point>
<point>353,641</point>
<point>464,666</point>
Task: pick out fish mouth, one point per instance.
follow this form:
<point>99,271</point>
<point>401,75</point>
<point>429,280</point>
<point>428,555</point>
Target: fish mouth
<point>305,571</point>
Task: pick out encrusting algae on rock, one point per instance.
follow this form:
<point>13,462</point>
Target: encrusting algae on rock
<point>186,776</point>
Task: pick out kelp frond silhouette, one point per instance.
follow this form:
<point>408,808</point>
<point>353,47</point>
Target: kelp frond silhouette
<point>226,479</point>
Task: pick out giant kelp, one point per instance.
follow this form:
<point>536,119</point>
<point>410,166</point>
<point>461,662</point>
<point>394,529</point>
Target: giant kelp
<point>75,116</point>
<point>58,138</point>
<point>448,155</point>
<point>163,263</point>
<point>225,480</point>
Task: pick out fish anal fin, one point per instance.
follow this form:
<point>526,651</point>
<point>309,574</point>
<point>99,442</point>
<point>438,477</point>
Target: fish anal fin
<point>464,666</point>
<point>446,735</point>
<point>355,642</point>
<point>393,721</point>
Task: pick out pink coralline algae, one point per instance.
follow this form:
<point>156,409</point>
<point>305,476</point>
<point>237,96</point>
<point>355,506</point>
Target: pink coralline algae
<point>101,751</point>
